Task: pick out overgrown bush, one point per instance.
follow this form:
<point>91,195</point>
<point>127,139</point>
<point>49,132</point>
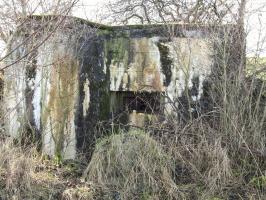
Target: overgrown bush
<point>132,165</point>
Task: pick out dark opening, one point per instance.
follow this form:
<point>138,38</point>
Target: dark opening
<point>142,102</point>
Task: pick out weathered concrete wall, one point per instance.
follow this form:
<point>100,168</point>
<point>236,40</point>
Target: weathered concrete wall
<point>151,59</point>
<point>44,90</point>
<point>83,73</point>
<point>155,65</point>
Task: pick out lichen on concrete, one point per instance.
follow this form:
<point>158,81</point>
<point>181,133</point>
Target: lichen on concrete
<point>137,66</point>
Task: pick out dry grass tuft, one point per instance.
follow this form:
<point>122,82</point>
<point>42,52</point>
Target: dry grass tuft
<point>24,174</point>
<point>132,166</point>
<point>15,169</point>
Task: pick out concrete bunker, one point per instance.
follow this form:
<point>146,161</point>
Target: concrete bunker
<point>86,73</point>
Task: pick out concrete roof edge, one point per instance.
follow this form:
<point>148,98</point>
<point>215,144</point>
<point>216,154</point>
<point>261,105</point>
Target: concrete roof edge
<point>133,26</point>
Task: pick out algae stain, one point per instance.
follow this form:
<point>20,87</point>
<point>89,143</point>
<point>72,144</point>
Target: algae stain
<point>166,62</point>
<point>116,51</point>
<point>61,105</point>
<point>135,64</point>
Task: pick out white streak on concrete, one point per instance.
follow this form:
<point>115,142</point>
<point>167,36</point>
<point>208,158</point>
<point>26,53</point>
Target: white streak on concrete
<point>36,101</point>
<point>86,101</point>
